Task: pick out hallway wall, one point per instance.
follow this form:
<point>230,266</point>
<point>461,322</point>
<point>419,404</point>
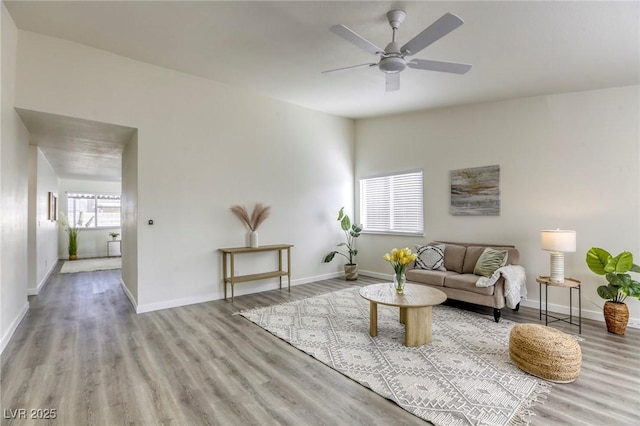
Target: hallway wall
<point>14,191</point>
<point>43,232</point>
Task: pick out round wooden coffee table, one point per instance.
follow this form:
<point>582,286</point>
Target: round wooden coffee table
<point>415,309</point>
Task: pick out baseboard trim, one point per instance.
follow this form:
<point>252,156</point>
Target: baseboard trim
<point>267,286</point>
<point>315,278</point>
<point>14,326</point>
<point>43,282</point>
<point>378,275</point>
<point>132,300</point>
<point>175,303</point>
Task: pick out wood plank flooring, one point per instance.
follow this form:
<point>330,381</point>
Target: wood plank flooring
<point>82,351</point>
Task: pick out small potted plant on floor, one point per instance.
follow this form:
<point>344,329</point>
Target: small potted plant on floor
<point>73,236</point>
<point>621,285</point>
<point>351,232</point>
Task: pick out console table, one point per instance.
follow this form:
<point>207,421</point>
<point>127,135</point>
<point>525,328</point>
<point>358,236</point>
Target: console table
<point>232,278</point>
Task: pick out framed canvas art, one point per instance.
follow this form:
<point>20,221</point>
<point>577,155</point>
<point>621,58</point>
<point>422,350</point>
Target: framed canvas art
<point>50,205</point>
<point>475,191</point>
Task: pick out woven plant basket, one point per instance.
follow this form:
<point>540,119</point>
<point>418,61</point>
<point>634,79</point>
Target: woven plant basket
<point>616,315</point>
<point>351,272</point>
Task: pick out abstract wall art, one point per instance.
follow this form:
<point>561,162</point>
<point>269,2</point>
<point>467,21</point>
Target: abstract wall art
<point>475,191</point>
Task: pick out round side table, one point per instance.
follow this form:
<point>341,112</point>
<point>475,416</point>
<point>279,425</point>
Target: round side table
<point>570,283</point>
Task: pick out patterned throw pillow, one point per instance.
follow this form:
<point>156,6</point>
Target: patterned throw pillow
<point>489,261</point>
<point>430,257</point>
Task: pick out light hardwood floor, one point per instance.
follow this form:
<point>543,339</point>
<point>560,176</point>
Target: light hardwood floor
<point>82,351</point>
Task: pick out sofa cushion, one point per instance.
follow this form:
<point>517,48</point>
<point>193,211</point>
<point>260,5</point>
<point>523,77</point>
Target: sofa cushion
<point>426,276</point>
<point>467,282</point>
<point>474,252</point>
<point>430,257</point>
<point>514,256</point>
<point>489,261</point>
<point>453,256</point>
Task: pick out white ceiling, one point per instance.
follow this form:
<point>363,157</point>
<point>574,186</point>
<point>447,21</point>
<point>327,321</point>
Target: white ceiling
<point>77,148</point>
<point>517,48</point>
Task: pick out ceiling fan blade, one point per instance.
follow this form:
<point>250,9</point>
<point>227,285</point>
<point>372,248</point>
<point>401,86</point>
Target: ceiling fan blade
<point>392,81</point>
<point>354,67</point>
<point>452,67</point>
<point>356,39</point>
<point>434,32</point>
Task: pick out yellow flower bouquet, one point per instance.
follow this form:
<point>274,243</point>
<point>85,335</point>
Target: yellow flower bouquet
<point>399,260</point>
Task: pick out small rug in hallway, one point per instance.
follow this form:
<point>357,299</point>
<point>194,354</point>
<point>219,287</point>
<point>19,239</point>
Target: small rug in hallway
<point>89,265</point>
<point>464,377</point>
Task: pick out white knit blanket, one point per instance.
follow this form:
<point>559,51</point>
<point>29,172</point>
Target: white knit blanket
<point>515,283</point>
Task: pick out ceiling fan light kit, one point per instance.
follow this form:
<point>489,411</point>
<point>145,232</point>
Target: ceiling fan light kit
<point>392,64</point>
<point>392,59</point>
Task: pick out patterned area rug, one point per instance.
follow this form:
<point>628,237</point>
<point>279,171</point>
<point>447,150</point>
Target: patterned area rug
<point>464,377</point>
<point>89,265</point>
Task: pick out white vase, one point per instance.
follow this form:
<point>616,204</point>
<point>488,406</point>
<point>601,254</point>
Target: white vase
<point>253,239</point>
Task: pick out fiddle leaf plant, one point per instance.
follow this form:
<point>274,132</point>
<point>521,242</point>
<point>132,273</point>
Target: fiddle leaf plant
<point>615,270</point>
<point>351,232</point>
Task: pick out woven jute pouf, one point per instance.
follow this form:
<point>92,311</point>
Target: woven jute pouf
<point>545,352</point>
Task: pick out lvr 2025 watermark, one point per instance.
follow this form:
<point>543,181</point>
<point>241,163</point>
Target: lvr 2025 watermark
<point>34,413</point>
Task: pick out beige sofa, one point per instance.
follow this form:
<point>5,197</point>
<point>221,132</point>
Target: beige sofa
<point>459,281</point>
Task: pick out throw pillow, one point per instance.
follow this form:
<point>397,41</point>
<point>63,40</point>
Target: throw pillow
<point>489,261</point>
<point>430,257</point>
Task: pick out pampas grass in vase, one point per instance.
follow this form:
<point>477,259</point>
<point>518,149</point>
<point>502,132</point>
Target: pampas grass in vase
<point>260,214</point>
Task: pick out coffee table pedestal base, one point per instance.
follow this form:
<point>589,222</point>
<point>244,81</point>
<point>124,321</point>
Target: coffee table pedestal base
<point>417,323</point>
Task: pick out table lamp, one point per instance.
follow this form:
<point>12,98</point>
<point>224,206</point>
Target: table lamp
<point>558,242</point>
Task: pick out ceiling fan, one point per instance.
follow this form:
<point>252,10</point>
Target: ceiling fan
<point>393,57</point>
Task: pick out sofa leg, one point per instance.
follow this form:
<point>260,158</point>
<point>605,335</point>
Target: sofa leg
<point>496,314</point>
<point>517,308</point>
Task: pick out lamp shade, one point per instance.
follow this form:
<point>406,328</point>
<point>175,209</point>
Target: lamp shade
<point>558,240</point>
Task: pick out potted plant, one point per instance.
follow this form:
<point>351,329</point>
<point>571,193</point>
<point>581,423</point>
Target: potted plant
<point>621,285</point>
<point>73,236</point>
<point>351,232</point>
<point>114,235</point>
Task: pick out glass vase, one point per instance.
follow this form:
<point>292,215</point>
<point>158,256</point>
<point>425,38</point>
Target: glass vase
<point>399,280</point>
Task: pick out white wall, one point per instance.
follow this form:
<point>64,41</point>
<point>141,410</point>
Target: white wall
<point>91,242</point>
<point>14,158</point>
<point>567,160</point>
<point>202,147</point>
<point>130,218</point>
<point>43,232</point>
